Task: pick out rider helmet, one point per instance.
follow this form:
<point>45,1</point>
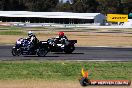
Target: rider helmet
<point>30,33</point>
<point>61,33</point>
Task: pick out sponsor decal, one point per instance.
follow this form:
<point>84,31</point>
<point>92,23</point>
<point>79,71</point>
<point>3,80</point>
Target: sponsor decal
<point>117,18</point>
<point>85,81</point>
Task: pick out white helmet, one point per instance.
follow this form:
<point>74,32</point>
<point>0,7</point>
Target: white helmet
<point>30,33</point>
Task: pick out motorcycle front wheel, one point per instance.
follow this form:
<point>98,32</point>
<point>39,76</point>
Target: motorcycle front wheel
<point>16,52</point>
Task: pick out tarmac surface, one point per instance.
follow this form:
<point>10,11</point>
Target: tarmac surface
<point>80,54</point>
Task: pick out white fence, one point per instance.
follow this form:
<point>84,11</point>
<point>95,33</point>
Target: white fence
<point>53,25</point>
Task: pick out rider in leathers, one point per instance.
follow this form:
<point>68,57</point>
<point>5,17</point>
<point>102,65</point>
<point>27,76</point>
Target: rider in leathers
<point>62,38</point>
<point>33,40</point>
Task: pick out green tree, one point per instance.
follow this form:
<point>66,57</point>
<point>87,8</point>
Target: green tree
<point>78,6</point>
<point>108,6</point>
<point>85,5</point>
<point>64,7</point>
<point>82,6</point>
<point>1,5</point>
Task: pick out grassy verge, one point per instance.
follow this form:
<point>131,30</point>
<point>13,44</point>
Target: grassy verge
<point>10,28</point>
<point>63,70</point>
<point>9,32</point>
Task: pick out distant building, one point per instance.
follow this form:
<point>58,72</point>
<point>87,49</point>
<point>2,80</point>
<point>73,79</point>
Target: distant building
<point>100,18</point>
<point>52,17</point>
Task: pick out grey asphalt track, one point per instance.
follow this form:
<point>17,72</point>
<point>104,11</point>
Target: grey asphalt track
<point>81,54</point>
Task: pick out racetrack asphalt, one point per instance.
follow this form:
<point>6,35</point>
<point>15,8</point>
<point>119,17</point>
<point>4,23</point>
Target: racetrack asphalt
<point>80,54</point>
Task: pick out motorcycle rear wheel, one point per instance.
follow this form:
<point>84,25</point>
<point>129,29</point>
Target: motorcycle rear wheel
<point>42,52</point>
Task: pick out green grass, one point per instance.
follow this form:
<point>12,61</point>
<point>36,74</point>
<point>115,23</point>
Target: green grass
<point>10,28</point>
<point>12,32</point>
<point>63,70</point>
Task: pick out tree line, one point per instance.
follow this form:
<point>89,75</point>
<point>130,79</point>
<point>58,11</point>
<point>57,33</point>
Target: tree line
<point>79,6</point>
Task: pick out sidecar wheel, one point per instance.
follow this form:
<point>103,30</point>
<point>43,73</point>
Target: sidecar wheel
<point>69,49</point>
